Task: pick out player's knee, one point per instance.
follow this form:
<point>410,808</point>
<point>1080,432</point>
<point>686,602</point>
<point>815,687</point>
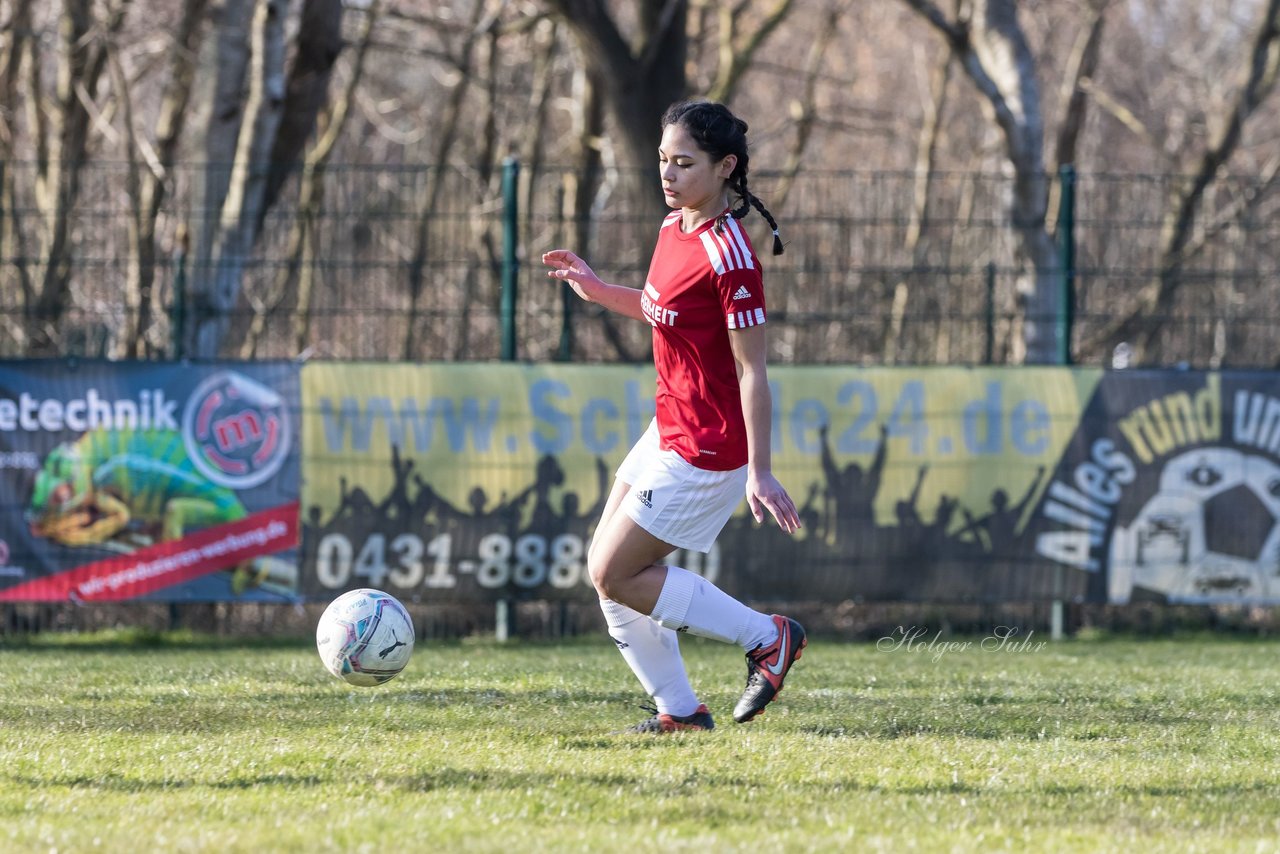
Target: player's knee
<point>607,575</point>
<point>597,570</point>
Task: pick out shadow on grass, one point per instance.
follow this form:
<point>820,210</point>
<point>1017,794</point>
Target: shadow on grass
<point>1116,792</point>
<point>314,706</point>
<point>136,639</point>
<point>1030,730</point>
<point>441,779</point>
<point>484,780</point>
<point>120,783</point>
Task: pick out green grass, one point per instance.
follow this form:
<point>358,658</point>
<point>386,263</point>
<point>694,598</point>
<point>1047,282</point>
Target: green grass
<point>185,744</point>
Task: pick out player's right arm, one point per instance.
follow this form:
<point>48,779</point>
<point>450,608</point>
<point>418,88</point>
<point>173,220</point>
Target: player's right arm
<point>568,267</point>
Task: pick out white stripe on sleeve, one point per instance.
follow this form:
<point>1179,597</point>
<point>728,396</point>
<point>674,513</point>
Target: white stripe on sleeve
<point>740,239</point>
<point>729,250</point>
<point>713,252</point>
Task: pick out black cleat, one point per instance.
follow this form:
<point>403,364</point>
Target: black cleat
<point>767,666</point>
<point>661,724</point>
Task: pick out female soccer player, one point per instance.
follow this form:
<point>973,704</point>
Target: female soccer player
<point>709,441</point>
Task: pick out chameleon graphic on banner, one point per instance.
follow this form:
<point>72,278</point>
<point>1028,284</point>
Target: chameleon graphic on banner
<point>129,497</point>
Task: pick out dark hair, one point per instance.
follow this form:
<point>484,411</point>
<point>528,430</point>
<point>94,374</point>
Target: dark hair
<point>719,133</point>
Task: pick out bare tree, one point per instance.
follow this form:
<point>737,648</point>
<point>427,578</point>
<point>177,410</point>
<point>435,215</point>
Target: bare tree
<point>216,284</point>
<point>14,48</point>
<point>223,72</point>
<point>735,51</point>
<point>429,199</point>
<point>1081,67</point>
<point>1123,89</point>
<point>147,187</point>
<point>638,77</point>
<point>1143,322</point>
<point>299,270</point>
<point>804,109</point>
<point>581,187</point>
<point>989,44</point>
<point>935,101</point>
<point>62,127</point>
<point>306,91</point>
<point>259,117</point>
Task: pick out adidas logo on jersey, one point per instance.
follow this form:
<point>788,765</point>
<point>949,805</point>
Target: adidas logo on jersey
<point>742,293</point>
<point>645,497</point>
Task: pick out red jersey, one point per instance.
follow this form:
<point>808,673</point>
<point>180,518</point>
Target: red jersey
<point>700,286</point>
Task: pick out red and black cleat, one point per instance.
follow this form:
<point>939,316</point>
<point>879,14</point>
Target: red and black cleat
<point>767,667</point>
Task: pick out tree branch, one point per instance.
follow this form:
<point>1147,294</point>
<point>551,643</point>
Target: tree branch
<point>734,59</point>
<point>955,33</point>
<point>804,111</point>
<point>1082,65</point>
<point>659,36</point>
<point>1119,112</point>
<point>1144,322</point>
<point>601,38</point>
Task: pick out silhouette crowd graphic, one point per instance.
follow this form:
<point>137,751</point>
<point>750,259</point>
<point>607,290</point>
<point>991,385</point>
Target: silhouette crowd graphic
<point>841,551</point>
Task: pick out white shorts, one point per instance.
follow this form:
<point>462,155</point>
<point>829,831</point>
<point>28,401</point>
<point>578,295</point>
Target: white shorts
<point>675,501</point>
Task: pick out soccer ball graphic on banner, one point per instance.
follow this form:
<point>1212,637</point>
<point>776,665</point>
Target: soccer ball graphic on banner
<point>1210,533</point>
<point>365,637</point>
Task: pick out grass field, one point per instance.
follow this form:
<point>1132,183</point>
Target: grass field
<point>189,744</point>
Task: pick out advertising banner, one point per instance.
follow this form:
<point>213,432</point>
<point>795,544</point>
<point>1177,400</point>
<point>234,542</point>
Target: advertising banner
<point>477,481</point>
<point>1170,490</point>
<point>149,481</point>
<point>461,481</point>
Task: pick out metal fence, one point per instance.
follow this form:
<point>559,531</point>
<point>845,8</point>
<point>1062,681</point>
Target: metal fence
<point>865,278</point>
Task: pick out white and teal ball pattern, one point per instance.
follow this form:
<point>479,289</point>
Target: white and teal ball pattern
<point>365,637</point>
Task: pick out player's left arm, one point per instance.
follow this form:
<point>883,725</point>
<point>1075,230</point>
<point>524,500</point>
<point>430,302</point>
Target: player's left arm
<point>763,489</point>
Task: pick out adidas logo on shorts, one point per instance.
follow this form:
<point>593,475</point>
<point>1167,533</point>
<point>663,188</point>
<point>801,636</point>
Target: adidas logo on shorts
<point>742,293</point>
<point>645,497</point>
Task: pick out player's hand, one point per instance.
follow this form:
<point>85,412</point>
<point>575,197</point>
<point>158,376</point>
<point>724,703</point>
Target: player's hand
<point>568,267</point>
<point>765,493</point>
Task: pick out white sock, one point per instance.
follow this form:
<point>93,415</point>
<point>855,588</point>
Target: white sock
<point>688,602</point>
<point>653,654</point>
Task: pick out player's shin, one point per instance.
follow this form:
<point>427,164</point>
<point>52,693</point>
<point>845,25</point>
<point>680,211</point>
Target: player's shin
<point>653,654</point>
<point>688,602</point>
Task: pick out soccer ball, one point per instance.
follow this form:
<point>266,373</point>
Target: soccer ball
<point>365,637</point>
<point>1210,533</point>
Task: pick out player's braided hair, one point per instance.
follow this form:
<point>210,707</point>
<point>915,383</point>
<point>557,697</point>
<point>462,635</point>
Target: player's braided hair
<point>720,133</point>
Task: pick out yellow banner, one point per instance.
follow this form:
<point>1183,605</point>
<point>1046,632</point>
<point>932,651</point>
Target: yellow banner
<point>917,435</point>
<point>455,476</point>
<point>465,427</point>
<point>893,433</point>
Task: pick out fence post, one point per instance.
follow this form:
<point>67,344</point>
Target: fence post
<point>567,299</point>
<point>989,349</point>
<point>504,608</point>
<point>1067,259</point>
<point>510,264</point>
